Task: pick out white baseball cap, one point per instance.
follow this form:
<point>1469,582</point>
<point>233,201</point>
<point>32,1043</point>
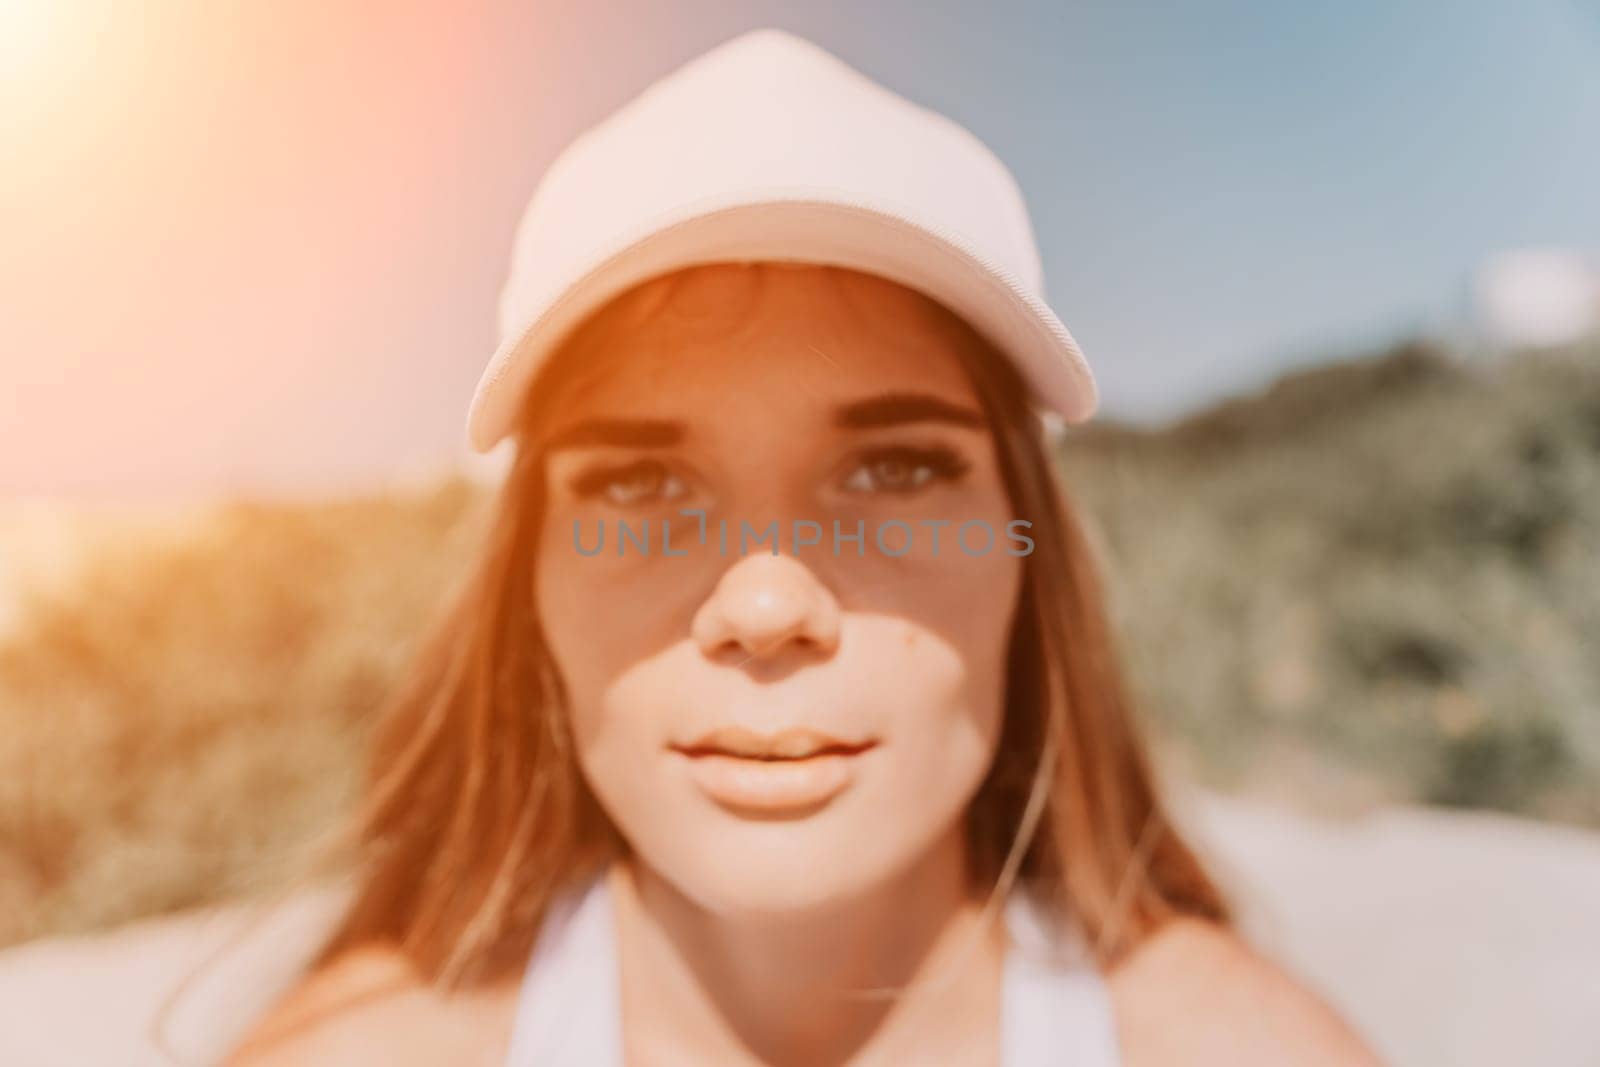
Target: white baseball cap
<point>767,147</point>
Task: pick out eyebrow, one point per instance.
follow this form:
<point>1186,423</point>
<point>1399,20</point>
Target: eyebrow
<point>892,409</point>
<point>884,409</point>
<point>623,432</point>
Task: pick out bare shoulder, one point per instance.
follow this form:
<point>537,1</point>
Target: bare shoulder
<point>369,1005</point>
<point>1195,993</point>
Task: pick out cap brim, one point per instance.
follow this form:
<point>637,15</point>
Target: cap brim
<point>800,227</point>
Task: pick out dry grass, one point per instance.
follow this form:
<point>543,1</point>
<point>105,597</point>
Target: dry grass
<point>1380,580</point>
<point>183,722</point>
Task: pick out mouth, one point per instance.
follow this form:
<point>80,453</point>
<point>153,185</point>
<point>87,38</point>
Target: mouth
<point>789,772</point>
<point>796,744</point>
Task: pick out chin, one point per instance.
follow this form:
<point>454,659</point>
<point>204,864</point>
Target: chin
<point>755,870</point>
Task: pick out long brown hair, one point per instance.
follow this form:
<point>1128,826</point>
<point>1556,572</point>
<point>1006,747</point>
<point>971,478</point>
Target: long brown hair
<point>477,817</point>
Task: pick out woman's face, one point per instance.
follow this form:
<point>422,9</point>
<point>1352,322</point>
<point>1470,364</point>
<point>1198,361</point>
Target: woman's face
<point>770,731</point>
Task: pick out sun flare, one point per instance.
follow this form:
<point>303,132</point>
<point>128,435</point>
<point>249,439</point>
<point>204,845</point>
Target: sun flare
<point>31,34</point>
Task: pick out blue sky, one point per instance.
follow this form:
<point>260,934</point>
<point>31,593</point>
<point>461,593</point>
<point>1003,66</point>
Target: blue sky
<point>1225,189</point>
<point>258,247</point>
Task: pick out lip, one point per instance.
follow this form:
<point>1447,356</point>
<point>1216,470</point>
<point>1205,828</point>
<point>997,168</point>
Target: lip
<point>786,772</point>
<point>795,743</point>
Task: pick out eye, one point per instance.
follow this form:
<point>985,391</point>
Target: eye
<point>902,470</point>
<point>644,481</point>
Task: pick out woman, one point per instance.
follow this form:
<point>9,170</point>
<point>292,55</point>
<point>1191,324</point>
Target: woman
<point>780,722</point>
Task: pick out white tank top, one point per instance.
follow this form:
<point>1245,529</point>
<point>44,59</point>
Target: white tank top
<point>1054,1007</point>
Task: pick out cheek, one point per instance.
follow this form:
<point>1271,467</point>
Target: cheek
<point>602,616</point>
<point>946,716</point>
<point>965,603</point>
<point>617,637</point>
<point>946,657</point>
<point>582,620</point>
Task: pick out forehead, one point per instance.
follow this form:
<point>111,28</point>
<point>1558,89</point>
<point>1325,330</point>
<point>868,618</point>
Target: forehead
<point>780,338</point>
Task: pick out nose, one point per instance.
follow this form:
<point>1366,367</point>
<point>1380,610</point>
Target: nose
<point>764,605</point>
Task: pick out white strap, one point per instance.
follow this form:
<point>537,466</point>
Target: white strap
<point>1055,1009</point>
<point>568,1010</point>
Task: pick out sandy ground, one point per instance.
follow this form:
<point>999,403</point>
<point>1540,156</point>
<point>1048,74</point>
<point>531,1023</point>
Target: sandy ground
<point>1447,939</point>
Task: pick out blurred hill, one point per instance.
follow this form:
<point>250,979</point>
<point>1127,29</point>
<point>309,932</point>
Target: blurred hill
<point>1377,580</point>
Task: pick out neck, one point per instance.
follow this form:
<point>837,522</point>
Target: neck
<point>908,964</point>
